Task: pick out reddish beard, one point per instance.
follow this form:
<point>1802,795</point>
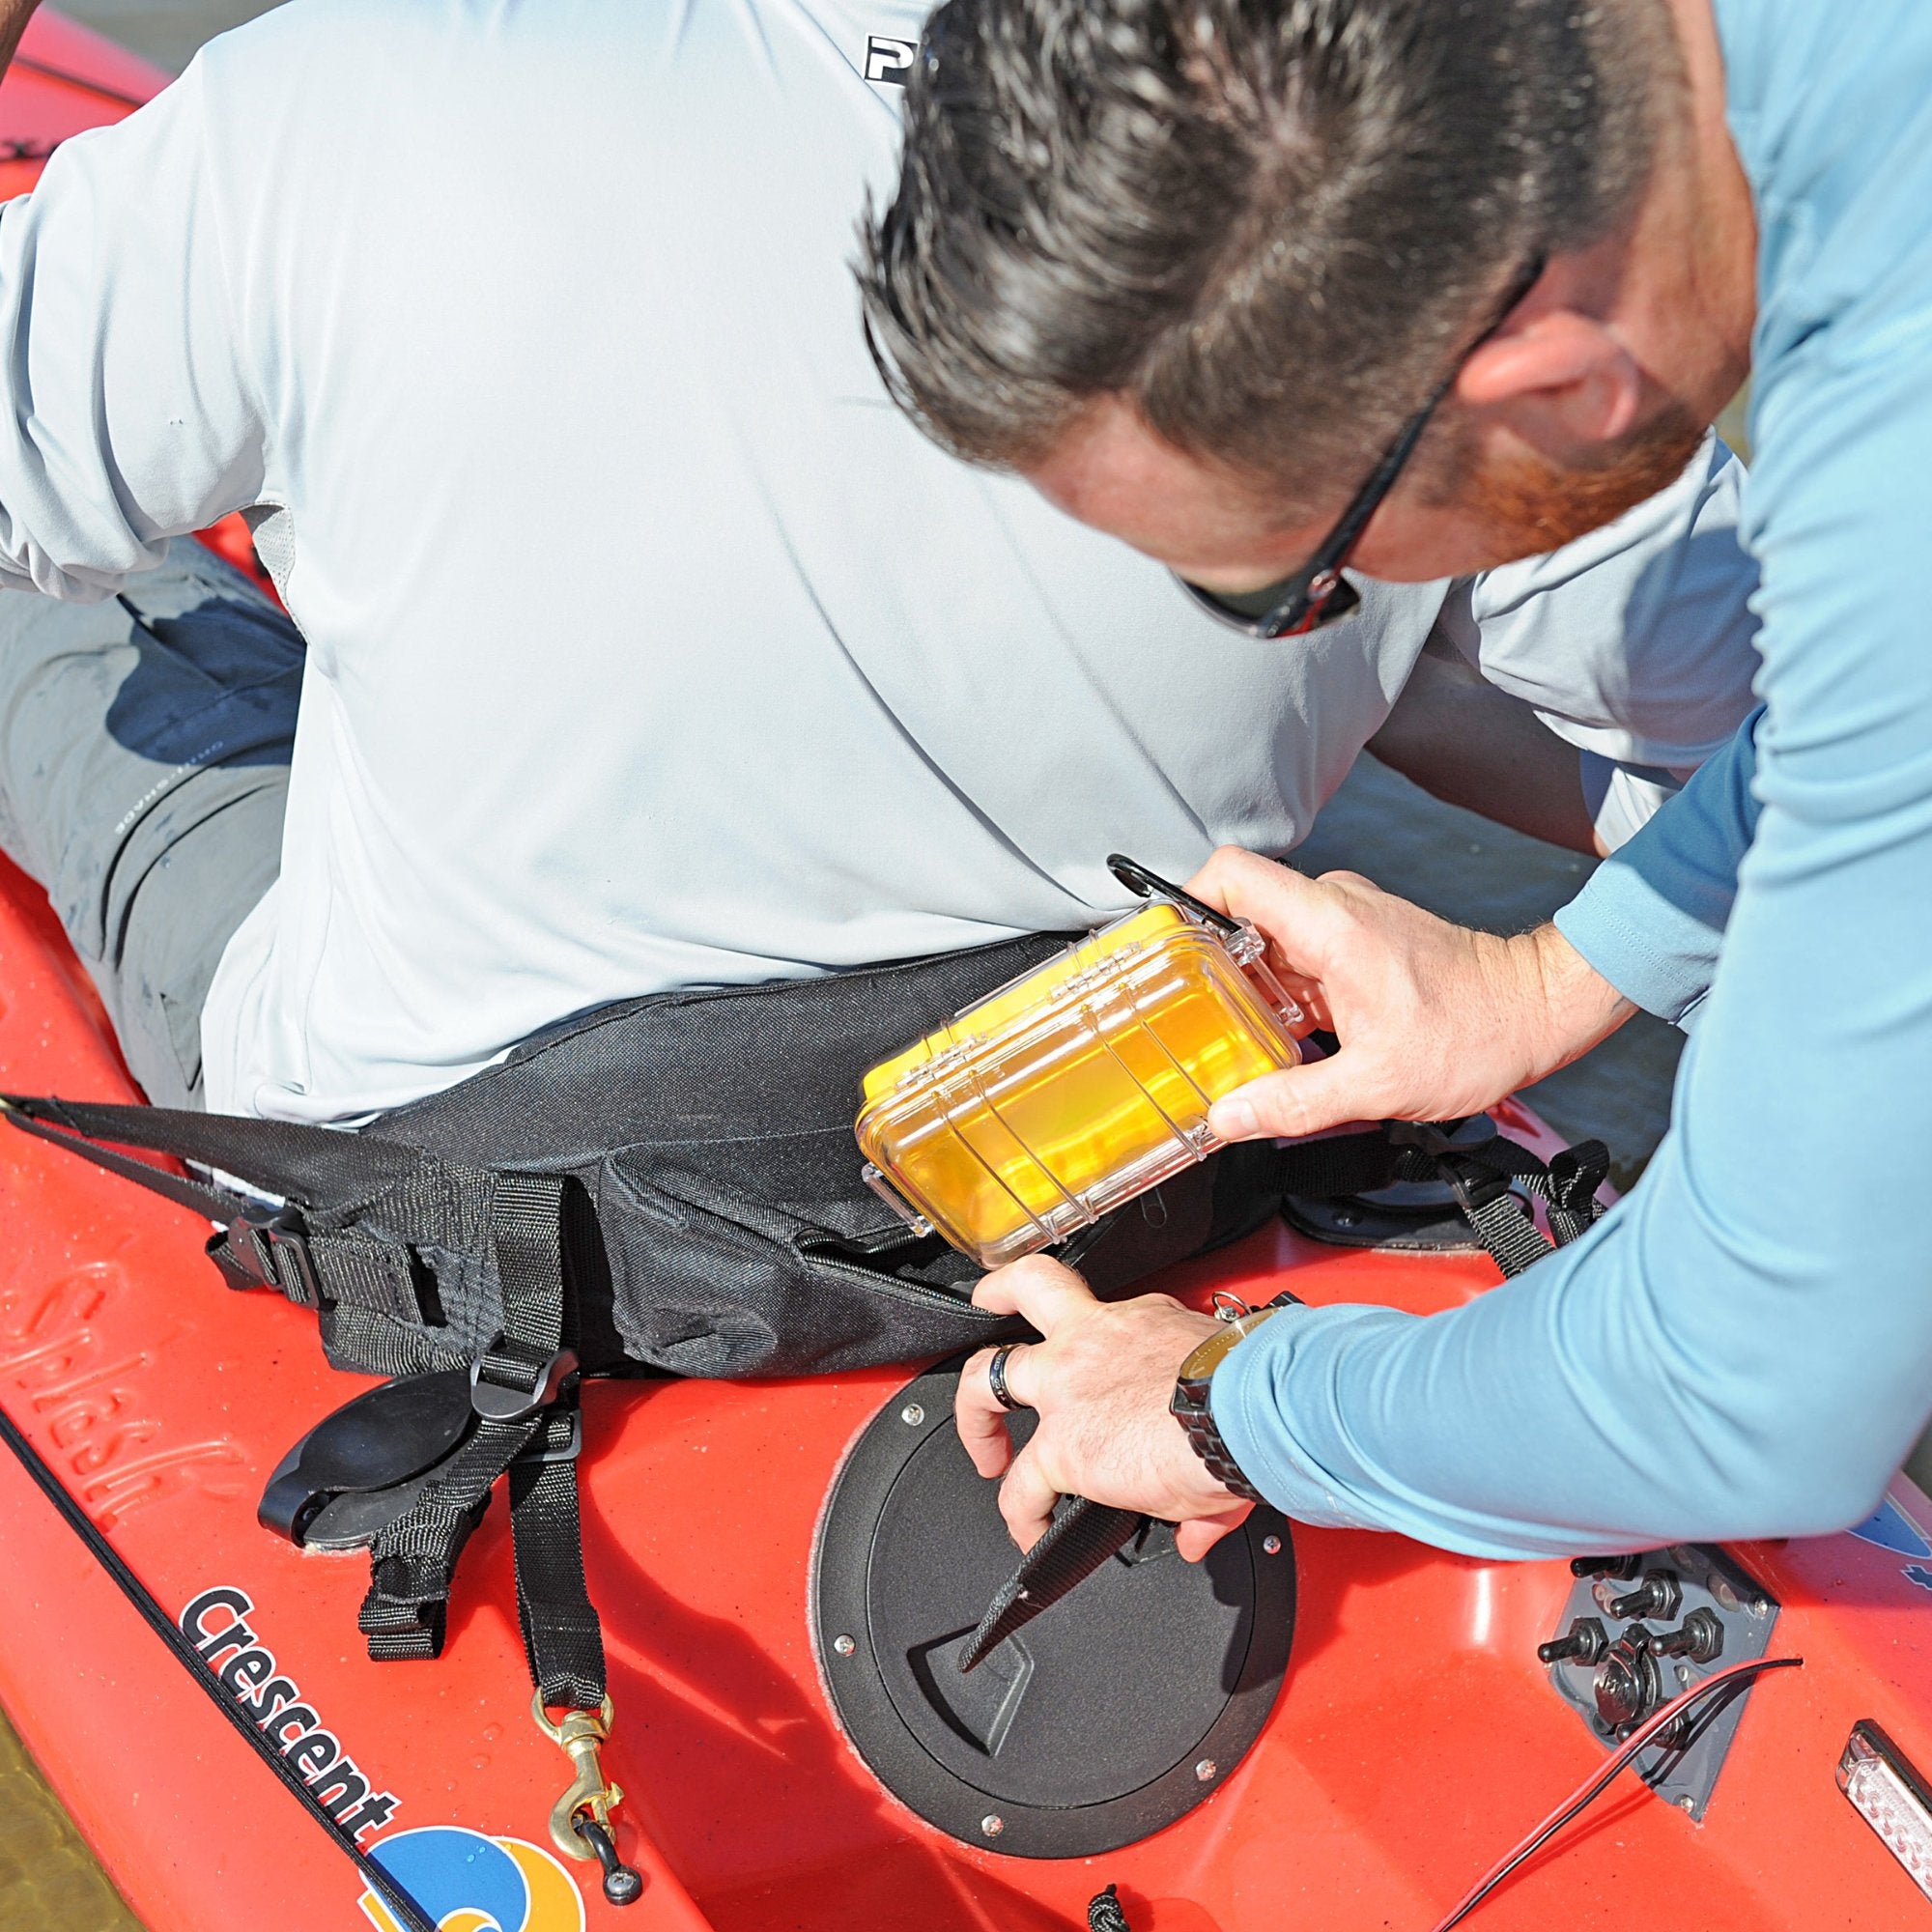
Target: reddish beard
<point>1527,505</point>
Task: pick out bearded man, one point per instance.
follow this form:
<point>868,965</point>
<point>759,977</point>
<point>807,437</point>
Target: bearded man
<point>1273,291</point>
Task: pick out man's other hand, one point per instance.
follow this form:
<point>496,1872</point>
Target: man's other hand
<point>1434,1021</point>
<point>1100,1379</point>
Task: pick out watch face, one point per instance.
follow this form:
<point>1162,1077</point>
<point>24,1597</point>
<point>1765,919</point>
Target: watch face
<point>1209,1355</point>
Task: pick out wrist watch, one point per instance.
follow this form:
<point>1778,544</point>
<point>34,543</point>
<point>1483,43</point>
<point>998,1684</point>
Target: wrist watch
<point>1189,1402</point>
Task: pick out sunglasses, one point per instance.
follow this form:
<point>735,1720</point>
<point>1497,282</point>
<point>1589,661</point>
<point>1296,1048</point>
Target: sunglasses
<point>1317,594</point>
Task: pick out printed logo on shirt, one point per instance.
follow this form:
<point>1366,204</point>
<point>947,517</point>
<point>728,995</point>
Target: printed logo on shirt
<point>888,60</point>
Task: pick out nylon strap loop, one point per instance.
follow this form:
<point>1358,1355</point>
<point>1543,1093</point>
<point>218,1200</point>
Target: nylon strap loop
<point>414,1560</point>
<point>562,1636</point>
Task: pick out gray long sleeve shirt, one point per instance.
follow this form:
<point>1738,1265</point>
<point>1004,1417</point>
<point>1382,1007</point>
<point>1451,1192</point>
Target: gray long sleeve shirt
<point>648,645</point>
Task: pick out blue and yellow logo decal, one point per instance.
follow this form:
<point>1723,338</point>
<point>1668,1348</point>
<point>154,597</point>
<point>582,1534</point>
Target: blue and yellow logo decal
<point>467,1882</point>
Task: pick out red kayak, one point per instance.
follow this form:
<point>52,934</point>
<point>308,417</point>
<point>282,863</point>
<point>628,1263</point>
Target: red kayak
<point>1417,1736</point>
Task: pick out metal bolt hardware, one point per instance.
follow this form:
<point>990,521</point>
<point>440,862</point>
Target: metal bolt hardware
<point>912,1414</point>
<point>1700,1637</point>
<point>623,1884</point>
<point>1619,1568</point>
<point>1585,1643</point>
<point>1271,1546</point>
<point>1207,1770</point>
<point>843,1645</point>
<point>1657,1596</point>
<point>992,1825</point>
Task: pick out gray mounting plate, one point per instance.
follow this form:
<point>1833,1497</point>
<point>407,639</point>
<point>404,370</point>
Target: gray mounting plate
<point>1682,1773</point>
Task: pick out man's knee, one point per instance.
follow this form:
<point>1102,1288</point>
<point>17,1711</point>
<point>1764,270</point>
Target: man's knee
<point>144,751</point>
<point>180,916</point>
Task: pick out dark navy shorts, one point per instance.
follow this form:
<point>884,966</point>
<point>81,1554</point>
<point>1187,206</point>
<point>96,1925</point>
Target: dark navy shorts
<point>144,769</point>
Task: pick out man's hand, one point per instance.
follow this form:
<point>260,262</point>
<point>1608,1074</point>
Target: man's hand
<point>1435,1021</point>
<point>1100,1380</point>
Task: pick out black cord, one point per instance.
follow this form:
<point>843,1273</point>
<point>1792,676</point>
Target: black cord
<point>1734,1678</point>
<point>407,1911</point>
<point>1146,885</point>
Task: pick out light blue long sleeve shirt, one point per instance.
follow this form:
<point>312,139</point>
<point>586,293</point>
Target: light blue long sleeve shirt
<point>1744,1345</point>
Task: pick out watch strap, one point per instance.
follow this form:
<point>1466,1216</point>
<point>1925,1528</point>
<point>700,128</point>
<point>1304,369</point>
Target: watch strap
<point>1204,1440</point>
<point>1190,1404</point>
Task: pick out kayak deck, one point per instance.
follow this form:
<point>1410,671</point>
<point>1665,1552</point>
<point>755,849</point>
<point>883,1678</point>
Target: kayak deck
<point>1414,1740</point>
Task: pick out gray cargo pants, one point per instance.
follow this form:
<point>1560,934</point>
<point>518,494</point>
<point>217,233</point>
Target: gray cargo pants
<point>144,768</point>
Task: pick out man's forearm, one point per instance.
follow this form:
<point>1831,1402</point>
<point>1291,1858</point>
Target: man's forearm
<point>1469,744</point>
<point>1653,918</point>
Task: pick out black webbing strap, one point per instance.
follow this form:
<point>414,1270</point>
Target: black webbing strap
<point>527,1231</point>
<point>393,1894</point>
<point>1494,1212</point>
<point>281,1157</point>
<point>563,1637</point>
<point>255,1245</point>
<point>1343,1164</point>
<point>524,1383</point>
<point>404,1614</point>
<point>213,1204</point>
<point>524,1394</point>
<point>1575,1176</point>
<point>1480,1171</point>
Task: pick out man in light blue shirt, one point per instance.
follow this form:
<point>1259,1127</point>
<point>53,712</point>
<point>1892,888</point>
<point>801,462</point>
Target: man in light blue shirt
<point>1656,192</point>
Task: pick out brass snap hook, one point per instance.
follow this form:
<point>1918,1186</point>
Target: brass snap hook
<point>580,1821</point>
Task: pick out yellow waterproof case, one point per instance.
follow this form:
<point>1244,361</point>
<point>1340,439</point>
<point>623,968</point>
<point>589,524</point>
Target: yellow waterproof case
<point>1079,1085</point>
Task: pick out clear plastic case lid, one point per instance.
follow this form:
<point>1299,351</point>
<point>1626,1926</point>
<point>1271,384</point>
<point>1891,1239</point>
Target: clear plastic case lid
<point>1079,1085</point>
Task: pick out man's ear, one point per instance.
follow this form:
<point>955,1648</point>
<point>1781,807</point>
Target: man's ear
<point>1561,381</point>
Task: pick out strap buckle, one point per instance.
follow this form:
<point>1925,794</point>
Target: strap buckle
<point>540,1449</point>
<point>500,1401</point>
<point>1477,1187</point>
<point>1443,1139</point>
<point>256,1241</point>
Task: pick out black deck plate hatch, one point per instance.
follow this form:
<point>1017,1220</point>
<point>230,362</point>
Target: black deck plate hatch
<point>1109,1716</point>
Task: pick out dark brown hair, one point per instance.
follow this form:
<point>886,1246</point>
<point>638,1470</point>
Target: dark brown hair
<point>1268,224</point>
